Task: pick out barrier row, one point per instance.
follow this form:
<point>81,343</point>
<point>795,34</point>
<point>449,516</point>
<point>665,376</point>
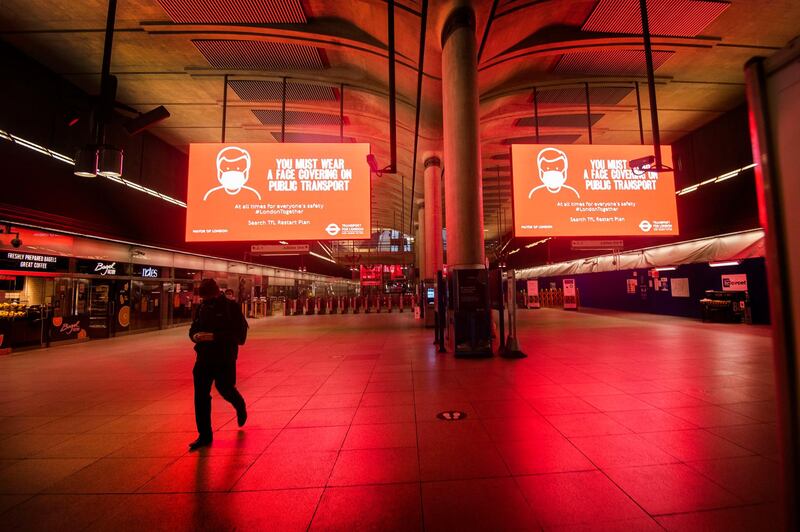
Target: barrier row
<point>553,297</point>
<point>348,305</point>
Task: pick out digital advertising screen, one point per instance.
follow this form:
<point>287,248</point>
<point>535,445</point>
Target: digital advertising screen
<point>590,190</point>
<point>277,191</point>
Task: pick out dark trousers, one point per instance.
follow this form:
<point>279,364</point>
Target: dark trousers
<point>213,370</point>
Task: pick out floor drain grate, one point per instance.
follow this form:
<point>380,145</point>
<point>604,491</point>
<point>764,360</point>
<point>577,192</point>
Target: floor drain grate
<point>452,415</point>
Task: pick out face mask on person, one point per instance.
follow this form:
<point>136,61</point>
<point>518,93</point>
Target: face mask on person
<point>232,180</point>
<point>553,179</point>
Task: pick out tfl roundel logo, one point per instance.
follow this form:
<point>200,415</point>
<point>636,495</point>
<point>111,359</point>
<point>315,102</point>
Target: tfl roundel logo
<point>332,229</point>
<point>645,226</point>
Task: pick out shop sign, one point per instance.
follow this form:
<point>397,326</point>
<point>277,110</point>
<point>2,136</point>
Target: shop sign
<point>150,272</point>
<point>68,327</point>
<point>570,298</point>
<point>146,272</point>
<point>106,268</point>
<point>736,282</point>
<point>14,260</point>
<point>103,268</point>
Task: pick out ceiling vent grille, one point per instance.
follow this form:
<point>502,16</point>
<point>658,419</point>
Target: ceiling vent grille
<point>238,12</point>
<point>558,120</point>
<point>310,137</point>
<point>271,91</point>
<point>270,117</point>
<point>260,55</point>
<point>677,18</point>
<point>610,62</point>
<point>577,95</point>
<point>543,139</point>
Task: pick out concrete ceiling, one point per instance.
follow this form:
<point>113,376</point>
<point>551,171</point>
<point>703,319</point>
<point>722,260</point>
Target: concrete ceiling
<point>176,52</point>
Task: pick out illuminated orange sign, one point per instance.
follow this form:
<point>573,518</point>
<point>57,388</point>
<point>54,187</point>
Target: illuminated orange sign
<point>590,190</point>
<point>244,191</point>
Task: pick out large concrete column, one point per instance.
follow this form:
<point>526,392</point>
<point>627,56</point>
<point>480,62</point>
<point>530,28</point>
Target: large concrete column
<point>421,239</point>
<point>433,215</point>
<point>462,150</point>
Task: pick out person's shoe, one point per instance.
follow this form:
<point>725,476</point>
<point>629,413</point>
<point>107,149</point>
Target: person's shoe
<point>241,416</point>
<point>201,441</point>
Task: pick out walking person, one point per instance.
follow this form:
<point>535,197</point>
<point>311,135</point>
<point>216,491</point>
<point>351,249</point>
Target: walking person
<point>219,327</point>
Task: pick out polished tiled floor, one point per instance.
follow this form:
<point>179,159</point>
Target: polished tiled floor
<point>614,422</point>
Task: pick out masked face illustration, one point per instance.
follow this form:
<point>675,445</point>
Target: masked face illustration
<point>232,180</point>
<point>552,168</point>
<point>233,167</point>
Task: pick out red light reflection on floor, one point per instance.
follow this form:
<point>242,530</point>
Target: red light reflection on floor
<point>614,421</point>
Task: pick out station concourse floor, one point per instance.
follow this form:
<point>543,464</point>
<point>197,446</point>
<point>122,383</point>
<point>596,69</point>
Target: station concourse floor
<point>614,422</point>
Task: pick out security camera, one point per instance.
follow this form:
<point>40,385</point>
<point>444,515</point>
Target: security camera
<point>373,163</point>
<point>16,242</point>
<point>642,164</point>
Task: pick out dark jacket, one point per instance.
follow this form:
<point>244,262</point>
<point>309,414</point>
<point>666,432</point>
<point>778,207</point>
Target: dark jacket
<point>223,318</point>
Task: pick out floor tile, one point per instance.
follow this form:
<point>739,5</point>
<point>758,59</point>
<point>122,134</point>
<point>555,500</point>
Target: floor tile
<point>89,446</point>
<point>366,415</point>
<point>278,469</point>
<point>460,461</point>
<point>547,455</point>
<point>197,473</point>
<point>587,497</point>
<point>323,417</point>
<point>381,436</point>
<point>710,416</point>
<point>393,507</point>
<point>745,519</point>
<point>35,475</point>
<point>589,424</point>
<point>247,441</point>
<point>311,439</point>
<point>653,420</point>
<point>112,475</point>
<point>62,512</point>
<point>761,438</point>
<point>486,504</point>
<point>753,479</point>
<point>551,406</point>
<point>694,444</point>
<point>375,466</point>
<point>616,403</point>
<point>621,450</point>
<point>671,488</point>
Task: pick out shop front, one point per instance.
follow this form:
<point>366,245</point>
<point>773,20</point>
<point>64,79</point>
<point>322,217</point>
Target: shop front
<point>27,291</point>
<point>57,287</point>
<point>106,287</point>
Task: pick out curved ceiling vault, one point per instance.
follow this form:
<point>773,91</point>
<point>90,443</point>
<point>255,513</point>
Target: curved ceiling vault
<point>334,53</point>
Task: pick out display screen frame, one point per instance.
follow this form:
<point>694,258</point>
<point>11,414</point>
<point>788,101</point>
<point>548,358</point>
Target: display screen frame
<point>365,218</point>
<point>579,234</point>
